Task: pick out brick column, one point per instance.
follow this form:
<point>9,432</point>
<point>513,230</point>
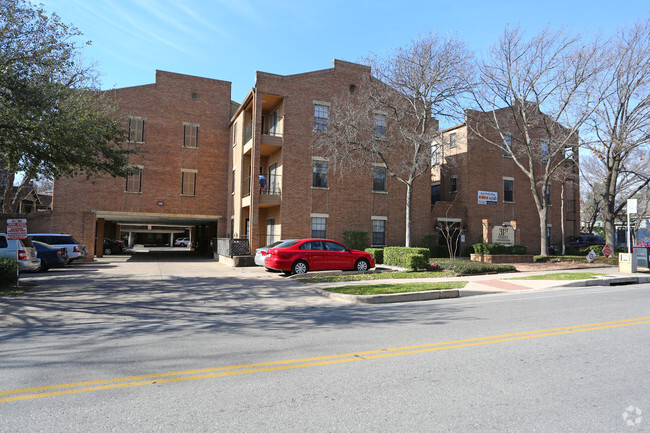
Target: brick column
<point>486,231</point>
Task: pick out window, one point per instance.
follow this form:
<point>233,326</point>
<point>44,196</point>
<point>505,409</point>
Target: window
<point>548,195</point>
<point>379,179</point>
<point>320,173</point>
<point>452,139</point>
<point>318,227</point>
<point>453,183</point>
<point>436,153</point>
<point>379,129</point>
<point>188,179</point>
<point>274,187</point>
<point>544,147</point>
<point>507,146</point>
<point>134,181</point>
<point>234,134</point>
<point>321,115</point>
<point>379,231</point>
<point>136,129</point>
<point>190,134</point>
<point>273,127</point>
<point>435,193</point>
<point>508,190</point>
<point>233,180</point>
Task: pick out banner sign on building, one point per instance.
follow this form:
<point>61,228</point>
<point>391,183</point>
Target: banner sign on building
<point>488,197</point>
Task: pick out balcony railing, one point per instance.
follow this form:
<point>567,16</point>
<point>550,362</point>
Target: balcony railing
<point>267,184</point>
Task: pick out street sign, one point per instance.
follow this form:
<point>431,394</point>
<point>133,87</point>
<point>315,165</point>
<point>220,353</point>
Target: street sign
<point>631,205</point>
<point>16,228</point>
<point>591,256</point>
<point>607,251</point>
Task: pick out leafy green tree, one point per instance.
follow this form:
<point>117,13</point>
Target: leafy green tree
<point>54,121</point>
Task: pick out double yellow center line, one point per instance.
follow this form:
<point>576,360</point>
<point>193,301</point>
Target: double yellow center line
<point>234,370</point>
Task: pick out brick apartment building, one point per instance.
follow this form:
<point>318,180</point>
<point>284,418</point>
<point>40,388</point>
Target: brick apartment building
<point>180,124</point>
<point>210,167</point>
<point>280,188</point>
<point>477,186</point>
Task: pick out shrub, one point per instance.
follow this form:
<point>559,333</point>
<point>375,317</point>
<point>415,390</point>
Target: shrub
<point>377,253</point>
<point>356,240</point>
<point>395,256</point>
<point>498,249</point>
<point>8,275</point>
<point>468,267</point>
<point>432,243</point>
<point>415,261</point>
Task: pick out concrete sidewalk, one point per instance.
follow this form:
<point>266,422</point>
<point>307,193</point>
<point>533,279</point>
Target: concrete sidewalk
<point>491,283</point>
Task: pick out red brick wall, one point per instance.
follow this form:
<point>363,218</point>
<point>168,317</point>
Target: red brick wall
<point>349,200</point>
<point>172,100</point>
<point>481,166</point>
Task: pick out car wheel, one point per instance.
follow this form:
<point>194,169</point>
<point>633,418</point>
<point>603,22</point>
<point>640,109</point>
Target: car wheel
<point>362,265</point>
<point>107,251</point>
<point>43,267</point>
<point>300,267</point>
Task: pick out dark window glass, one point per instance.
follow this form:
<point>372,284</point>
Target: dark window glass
<point>320,174</point>
<point>379,179</point>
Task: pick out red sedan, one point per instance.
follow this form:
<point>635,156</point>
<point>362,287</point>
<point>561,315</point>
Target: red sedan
<point>303,255</point>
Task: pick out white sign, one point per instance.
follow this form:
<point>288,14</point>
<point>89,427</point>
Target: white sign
<point>16,229</point>
<point>504,235</point>
<point>631,205</point>
<point>488,197</point>
<point>591,256</point>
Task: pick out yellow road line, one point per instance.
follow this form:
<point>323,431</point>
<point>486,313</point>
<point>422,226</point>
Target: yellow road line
<point>215,372</point>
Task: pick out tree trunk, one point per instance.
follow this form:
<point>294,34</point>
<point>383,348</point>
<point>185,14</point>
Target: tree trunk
<point>409,197</point>
<point>7,192</point>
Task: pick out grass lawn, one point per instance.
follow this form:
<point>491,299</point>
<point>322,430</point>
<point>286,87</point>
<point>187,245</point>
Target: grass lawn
<point>385,289</point>
<point>11,291</point>
<point>561,276</point>
<point>380,276</point>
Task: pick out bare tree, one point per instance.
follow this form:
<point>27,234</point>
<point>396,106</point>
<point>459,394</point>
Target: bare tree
<point>390,118</point>
<point>543,84</point>
<point>621,123</point>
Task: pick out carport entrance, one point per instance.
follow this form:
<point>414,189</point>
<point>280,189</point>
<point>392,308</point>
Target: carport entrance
<point>155,230</point>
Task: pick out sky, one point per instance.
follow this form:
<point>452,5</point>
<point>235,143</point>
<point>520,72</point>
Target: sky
<point>231,39</point>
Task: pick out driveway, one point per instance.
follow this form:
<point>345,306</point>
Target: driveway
<point>153,286</point>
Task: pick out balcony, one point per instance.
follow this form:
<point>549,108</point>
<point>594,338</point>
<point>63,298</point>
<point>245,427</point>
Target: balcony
<point>269,187</point>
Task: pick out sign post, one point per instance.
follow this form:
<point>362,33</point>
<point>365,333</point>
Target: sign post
<point>631,208</point>
<point>16,230</point>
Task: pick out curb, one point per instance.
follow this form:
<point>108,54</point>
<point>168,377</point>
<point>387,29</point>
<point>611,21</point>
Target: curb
<point>615,281</point>
<point>393,297</point>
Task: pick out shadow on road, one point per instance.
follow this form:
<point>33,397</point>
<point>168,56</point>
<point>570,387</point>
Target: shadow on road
<point>187,294</point>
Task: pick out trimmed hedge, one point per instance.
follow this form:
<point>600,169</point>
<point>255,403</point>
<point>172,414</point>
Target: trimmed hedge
<point>356,240</point>
<point>497,249</point>
<point>415,261</point>
<point>8,275</point>
<point>466,267</point>
<point>377,253</point>
<point>398,256</point>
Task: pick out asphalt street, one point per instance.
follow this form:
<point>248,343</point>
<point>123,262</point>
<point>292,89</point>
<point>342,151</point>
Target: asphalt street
<point>169,344</point>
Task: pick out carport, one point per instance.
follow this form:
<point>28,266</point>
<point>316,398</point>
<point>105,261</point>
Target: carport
<point>155,228</point>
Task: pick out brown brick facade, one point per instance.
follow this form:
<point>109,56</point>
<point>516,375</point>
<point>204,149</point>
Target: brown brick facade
<point>481,166</point>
